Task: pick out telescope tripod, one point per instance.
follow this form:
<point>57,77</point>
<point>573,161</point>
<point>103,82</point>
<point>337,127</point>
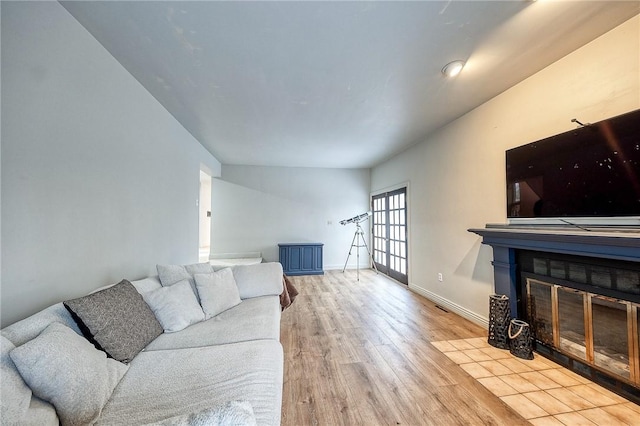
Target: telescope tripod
<point>358,237</point>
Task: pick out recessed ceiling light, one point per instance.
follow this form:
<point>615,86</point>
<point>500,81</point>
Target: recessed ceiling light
<point>453,68</point>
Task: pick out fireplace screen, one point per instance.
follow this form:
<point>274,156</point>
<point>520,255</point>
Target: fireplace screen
<point>600,331</point>
<point>610,335</point>
<point>540,310</point>
<point>571,322</point>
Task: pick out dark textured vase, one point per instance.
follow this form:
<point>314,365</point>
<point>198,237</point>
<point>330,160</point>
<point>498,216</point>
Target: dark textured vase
<point>499,317</point>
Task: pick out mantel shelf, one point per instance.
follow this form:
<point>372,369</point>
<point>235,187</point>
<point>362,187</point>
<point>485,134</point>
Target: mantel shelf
<point>618,243</point>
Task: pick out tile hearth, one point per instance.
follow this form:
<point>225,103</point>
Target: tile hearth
<point>540,390</point>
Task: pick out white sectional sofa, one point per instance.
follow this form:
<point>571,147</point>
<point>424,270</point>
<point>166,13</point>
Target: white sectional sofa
<point>222,370</point>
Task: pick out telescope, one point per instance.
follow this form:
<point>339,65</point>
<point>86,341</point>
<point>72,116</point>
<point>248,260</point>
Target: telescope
<point>358,241</point>
<point>356,219</point>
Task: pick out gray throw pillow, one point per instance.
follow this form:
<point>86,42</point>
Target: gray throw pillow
<point>64,369</point>
<point>218,292</point>
<point>116,320</point>
<point>176,307</point>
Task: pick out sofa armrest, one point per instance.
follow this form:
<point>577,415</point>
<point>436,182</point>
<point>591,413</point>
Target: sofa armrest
<point>263,279</point>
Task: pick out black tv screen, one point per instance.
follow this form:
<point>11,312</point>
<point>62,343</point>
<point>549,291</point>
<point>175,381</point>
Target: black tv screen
<point>592,171</point>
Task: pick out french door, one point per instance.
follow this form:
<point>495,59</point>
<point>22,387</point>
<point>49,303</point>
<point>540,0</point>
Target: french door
<point>389,231</point>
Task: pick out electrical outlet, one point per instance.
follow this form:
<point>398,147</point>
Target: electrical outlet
<point>440,278</point>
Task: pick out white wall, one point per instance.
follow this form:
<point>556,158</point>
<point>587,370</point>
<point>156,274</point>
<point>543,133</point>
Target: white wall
<point>99,182</point>
<point>255,208</point>
<point>457,175</point>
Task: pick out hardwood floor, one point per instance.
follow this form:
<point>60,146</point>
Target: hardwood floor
<point>359,353</point>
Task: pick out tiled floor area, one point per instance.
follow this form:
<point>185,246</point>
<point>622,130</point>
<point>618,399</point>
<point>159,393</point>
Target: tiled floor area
<point>541,391</point>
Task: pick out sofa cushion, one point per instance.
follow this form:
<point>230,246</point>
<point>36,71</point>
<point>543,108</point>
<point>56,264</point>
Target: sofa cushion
<point>15,395</point>
<point>142,285</point>
<point>176,307</point>
<point>230,413</point>
<point>29,328</point>
<point>116,320</point>
<point>163,384</point>
<point>253,319</point>
<point>172,274</point>
<point>18,405</point>
<point>41,413</point>
<point>218,292</point>
<point>264,279</point>
<point>147,284</point>
<point>65,369</point>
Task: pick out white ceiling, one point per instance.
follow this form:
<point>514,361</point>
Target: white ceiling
<point>333,84</point>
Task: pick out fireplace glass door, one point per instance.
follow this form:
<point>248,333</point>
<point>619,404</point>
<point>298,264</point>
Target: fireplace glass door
<point>571,322</point>
<point>599,330</point>
<point>610,335</point>
<point>636,342</point>
<point>540,318</point>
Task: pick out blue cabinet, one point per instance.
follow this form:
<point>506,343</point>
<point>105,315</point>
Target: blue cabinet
<point>301,258</point>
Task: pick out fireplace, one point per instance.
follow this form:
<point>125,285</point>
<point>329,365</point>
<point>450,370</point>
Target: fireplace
<point>580,292</point>
<point>585,309</point>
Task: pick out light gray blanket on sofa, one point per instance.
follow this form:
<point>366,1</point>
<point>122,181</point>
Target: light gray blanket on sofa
<point>154,389</point>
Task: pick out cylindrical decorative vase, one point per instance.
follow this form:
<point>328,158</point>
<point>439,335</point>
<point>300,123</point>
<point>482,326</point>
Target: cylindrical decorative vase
<point>499,317</point>
<point>520,344</point>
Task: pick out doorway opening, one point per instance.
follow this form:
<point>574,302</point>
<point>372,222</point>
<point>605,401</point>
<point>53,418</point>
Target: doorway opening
<point>389,231</point>
<point>204,214</point>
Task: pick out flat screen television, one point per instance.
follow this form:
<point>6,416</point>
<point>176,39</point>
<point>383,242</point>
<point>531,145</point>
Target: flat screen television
<point>590,172</point>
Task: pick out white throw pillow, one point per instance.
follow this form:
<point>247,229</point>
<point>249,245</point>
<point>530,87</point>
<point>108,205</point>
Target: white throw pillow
<point>172,274</point>
<point>218,292</point>
<point>63,368</point>
<point>175,307</point>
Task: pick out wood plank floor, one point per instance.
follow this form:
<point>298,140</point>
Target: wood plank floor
<point>359,353</point>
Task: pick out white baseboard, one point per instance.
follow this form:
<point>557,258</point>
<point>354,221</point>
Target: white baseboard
<point>349,267</point>
<point>333,267</point>
<point>449,305</point>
